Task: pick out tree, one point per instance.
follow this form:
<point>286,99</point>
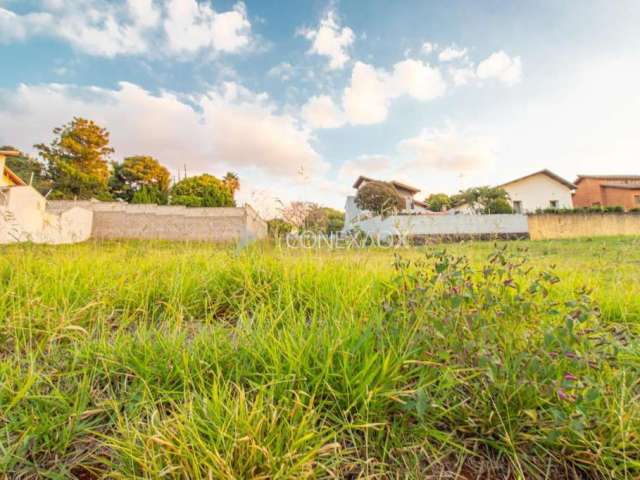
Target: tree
<point>381,198</point>
<point>316,219</point>
<point>438,202</point>
<point>202,191</point>
<point>232,181</point>
<point>140,179</point>
<point>490,199</point>
<point>77,160</point>
<point>277,227</point>
<point>295,213</point>
<point>335,220</point>
<point>498,205</point>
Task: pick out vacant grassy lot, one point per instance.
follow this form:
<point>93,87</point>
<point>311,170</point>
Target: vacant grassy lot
<point>157,360</point>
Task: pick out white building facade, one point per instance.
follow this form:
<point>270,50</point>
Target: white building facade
<point>540,190</point>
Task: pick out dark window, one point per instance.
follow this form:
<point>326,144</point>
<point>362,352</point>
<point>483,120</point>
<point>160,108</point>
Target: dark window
<point>553,203</point>
<point>517,206</point>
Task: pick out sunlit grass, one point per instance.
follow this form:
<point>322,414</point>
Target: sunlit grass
<point>165,360</point>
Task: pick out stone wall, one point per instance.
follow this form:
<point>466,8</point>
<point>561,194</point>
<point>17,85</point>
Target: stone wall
<point>115,220</point>
<point>549,226</point>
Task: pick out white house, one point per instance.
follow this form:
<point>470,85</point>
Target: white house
<point>539,190</point>
<point>413,206</point>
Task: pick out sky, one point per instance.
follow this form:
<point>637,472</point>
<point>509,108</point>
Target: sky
<point>300,97</point>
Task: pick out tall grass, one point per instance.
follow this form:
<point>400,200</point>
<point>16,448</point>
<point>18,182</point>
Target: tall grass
<point>158,360</point>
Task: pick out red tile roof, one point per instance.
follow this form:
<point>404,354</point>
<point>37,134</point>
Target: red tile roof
<point>546,172</point>
<point>633,178</point>
<point>395,183</point>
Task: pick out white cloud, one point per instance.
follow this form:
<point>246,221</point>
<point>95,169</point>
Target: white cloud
<point>15,27</point>
<point>144,12</point>
<point>370,165</point>
<point>449,150</point>
<point>322,112</point>
<point>131,27</point>
<point>452,53</point>
<point>367,98</point>
<point>230,126</point>
<point>502,67</point>
<point>428,47</point>
<point>191,26</point>
<point>330,40</point>
<point>416,79</point>
<point>462,76</point>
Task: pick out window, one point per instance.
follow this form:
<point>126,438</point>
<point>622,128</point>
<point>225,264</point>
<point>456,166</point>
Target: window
<point>636,199</point>
<point>553,203</point>
<point>517,206</point>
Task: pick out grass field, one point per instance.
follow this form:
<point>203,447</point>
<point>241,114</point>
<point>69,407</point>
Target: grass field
<point>158,360</point>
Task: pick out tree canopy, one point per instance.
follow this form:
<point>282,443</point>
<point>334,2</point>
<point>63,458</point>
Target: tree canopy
<point>232,182</point>
<point>381,198</point>
<point>140,179</point>
<point>77,159</point>
<point>202,191</point>
<point>490,199</point>
<point>438,202</point>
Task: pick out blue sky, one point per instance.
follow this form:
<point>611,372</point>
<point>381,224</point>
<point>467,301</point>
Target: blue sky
<point>300,97</point>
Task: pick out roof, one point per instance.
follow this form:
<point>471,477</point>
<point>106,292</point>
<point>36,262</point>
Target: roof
<point>13,177</point>
<point>7,171</point>
<point>623,186</point>
<point>546,172</point>
<point>635,178</point>
<point>395,183</point>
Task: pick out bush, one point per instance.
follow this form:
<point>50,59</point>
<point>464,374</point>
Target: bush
<point>149,195</point>
<point>381,198</point>
<point>592,209</point>
<point>277,227</point>
<point>202,191</point>
<point>187,200</point>
<point>498,205</point>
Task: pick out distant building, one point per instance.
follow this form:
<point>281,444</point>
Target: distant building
<point>607,191</point>
<point>7,177</point>
<point>413,206</point>
<point>539,190</point>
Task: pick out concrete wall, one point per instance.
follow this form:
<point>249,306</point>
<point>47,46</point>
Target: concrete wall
<point>542,227</point>
<point>23,218</point>
<point>537,192</point>
<point>446,225</point>
<point>353,214</point>
<point>115,220</point>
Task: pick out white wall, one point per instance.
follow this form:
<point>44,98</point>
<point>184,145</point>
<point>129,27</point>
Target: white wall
<point>445,225</point>
<point>536,192</point>
<point>353,214</point>
<point>23,219</point>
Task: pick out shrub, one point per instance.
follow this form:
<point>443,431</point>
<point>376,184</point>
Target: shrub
<point>202,191</point>
<point>277,227</point>
<point>592,209</point>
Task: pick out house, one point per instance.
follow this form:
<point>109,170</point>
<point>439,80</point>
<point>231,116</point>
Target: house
<point>539,190</point>
<point>413,206</point>
<point>7,177</point>
<point>607,190</point>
